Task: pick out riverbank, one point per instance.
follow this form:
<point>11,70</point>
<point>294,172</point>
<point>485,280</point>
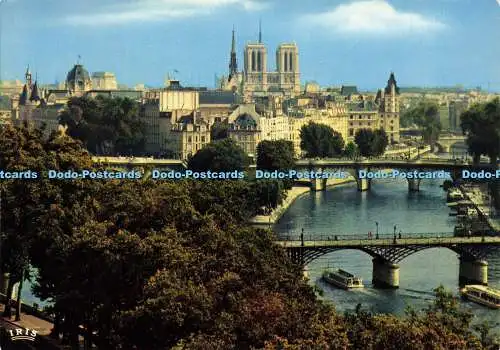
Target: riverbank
<point>481,202</point>
<point>294,193</point>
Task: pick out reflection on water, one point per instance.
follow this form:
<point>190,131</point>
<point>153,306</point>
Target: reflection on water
<point>343,210</point>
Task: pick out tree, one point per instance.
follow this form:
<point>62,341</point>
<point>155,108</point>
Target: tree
<point>481,124</point>
<point>219,131</point>
<point>222,155</point>
<point>319,140</point>
<point>371,143</point>
<point>106,125</point>
<point>424,115</point>
<point>275,155</point>
<point>380,142</point>
<point>351,150</point>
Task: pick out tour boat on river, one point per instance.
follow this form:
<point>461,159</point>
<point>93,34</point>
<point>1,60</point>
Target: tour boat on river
<point>454,194</point>
<point>482,295</point>
<point>342,279</point>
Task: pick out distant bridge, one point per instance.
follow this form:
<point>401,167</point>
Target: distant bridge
<point>354,165</point>
<point>388,250</point>
<point>445,142</point>
<point>139,161</point>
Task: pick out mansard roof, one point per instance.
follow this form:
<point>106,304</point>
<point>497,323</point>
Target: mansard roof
<point>347,90</point>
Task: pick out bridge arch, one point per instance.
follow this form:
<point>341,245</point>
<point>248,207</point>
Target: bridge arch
<point>397,254</point>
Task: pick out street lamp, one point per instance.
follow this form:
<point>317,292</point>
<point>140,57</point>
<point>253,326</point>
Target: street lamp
<point>376,235</point>
<point>395,234</point>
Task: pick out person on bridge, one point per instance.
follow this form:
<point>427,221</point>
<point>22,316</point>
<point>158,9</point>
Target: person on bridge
<point>399,234</point>
<point>369,234</point>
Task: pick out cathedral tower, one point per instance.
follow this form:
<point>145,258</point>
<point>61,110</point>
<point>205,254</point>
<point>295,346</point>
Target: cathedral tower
<point>287,65</point>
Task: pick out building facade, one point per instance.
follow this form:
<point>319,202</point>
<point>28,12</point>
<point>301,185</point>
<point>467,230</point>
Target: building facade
<point>256,78</point>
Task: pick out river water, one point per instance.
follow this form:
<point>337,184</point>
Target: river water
<point>342,210</point>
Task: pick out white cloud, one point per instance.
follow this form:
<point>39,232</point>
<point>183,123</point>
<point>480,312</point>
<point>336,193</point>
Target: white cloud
<point>372,17</point>
<point>158,10</point>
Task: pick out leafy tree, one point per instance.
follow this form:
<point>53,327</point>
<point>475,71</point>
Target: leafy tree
<point>219,131</point>
<point>380,142</point>
<point>481,124</point>
<point>319,140</point>
<point>424,115</point>
<point>275,155</point>
<point>351,150</point>
<point>371,143</point>
<point>222,155</point>
<point>105,125</point>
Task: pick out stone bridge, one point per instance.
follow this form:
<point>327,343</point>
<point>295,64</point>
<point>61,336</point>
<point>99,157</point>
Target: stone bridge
<point>445,142</point>
<point>358,166</point>
<point>388,250</point>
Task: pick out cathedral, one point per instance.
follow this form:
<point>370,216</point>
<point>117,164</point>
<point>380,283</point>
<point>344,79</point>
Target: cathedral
<point>256,79</point>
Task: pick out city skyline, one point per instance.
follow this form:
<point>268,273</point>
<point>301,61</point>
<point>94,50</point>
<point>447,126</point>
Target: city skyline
<point>345,42</point>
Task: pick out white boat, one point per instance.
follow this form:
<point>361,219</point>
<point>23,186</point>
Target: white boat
<point>454,194</point>
<point>342,279</point>
<point>483,295</point>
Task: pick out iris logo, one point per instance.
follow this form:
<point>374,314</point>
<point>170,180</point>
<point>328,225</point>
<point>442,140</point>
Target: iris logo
<point>22,334</point>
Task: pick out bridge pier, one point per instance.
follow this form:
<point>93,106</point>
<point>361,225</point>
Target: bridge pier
<point>414,185</point>
<point>364,184</point>
<point>318,184</point>
<point>385,274</point>
<point>473,271</point>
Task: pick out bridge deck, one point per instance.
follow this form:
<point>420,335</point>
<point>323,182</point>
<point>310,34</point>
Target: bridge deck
<point>428,241</point>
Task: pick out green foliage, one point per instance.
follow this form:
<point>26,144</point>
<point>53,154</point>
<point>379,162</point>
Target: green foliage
<point>319,140</point>
<point>222,155</point>
<point>481,124</point>
<point>424,115</point>
<point>170,264</point>
<point>371,143</point>
<point>275,155</point>
<point>107,126</point>
<point>351,150</point>
<point>219,131</point>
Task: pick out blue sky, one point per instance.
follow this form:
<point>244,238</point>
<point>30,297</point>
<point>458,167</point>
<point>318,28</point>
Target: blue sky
<point>425,42</point>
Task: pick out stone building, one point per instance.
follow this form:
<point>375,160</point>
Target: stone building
<point>256,78</point>
<point>174,126</point>
<point>104,81</point>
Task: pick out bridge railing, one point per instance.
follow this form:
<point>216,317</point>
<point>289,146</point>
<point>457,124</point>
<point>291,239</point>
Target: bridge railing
<point>391,241</point>
<point>354,236</point>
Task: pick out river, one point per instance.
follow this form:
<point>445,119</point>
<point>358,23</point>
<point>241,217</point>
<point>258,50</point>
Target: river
<point>343,210</point>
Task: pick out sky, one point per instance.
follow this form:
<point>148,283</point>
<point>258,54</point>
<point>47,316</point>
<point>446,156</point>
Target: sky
<point>425,42</point>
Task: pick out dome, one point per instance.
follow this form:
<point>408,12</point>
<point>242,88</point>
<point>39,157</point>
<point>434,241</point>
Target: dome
<point>78,77</point>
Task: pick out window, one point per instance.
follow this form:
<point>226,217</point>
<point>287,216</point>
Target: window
<point>352,117</point>
<point>203,139</point>
<point>190,139</point>
<point>351,132</point>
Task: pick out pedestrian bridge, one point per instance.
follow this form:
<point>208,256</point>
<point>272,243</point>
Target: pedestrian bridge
<point>388,250</point>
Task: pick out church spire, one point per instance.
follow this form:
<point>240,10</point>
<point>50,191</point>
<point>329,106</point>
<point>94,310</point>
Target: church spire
<point>260,31</point>
<point>233,65</point>
<point>27,76</point>
<point>233,44</point>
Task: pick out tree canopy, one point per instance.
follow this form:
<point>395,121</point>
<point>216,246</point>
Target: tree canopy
<point>172,264</point>
<point>319,140</point>
<point>275,155</point>
<point>107,126</point>
<point>221,155</point>
<point>424,115</point>
<point>371,143</point>
<point>481,124</point>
